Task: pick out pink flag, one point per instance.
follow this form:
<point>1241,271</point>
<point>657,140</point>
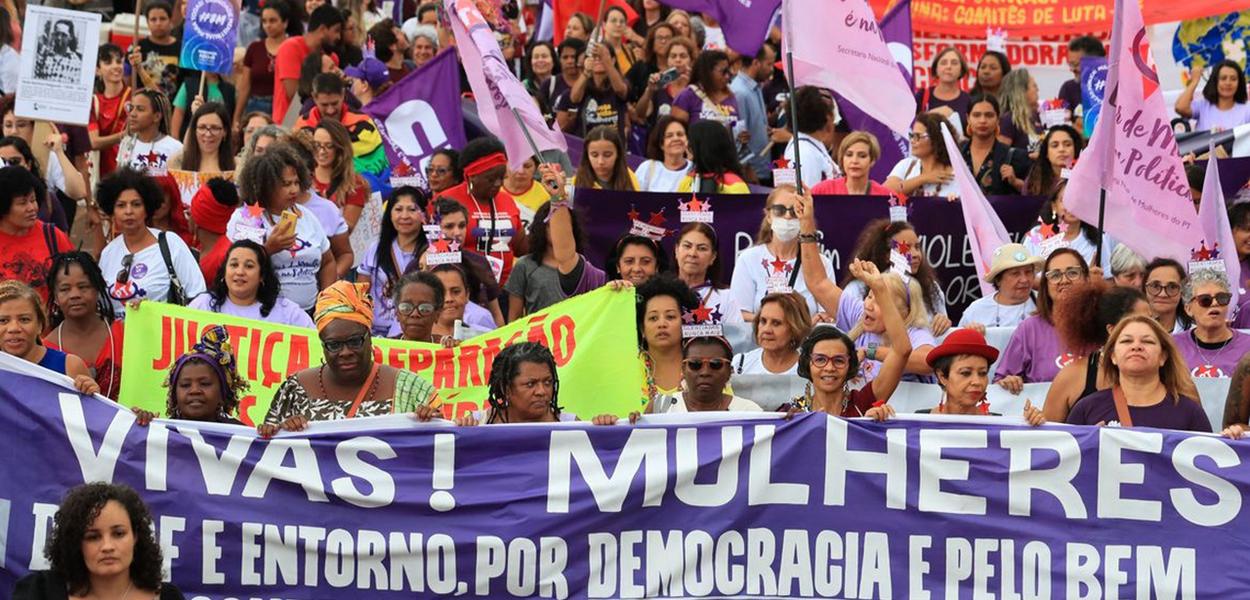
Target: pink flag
<point>1133,154</point>
<point>838,45</point>
<point>985,230</point>
<point>497,90</point>
<point>1217,244</point>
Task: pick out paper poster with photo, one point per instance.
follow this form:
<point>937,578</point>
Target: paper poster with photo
<point>57,76</point>
<point>211,29</point>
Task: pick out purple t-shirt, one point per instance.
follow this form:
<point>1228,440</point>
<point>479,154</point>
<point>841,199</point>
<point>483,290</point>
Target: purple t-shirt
<point>1212,362</point>
<point>920,336</point>
<point>383,307</point>
<point>327,213</point>
<point>1209,116</point>
<point>1070,94</point>
<point>692,102</point>
<point>284,312</point>
<point>1183,415</point>
<point>1033,353</point>
<point>960,105</point>
<point>1243,302</point>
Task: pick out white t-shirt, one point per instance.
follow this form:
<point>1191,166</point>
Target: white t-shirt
<point>752,363</point>
<point>10,66</point>
<point>149,276</point>
<point>148,157</point>
<point>910,167</point>
<point>677,404</point>
<point>284,312</point>
<point>758,273</point>
<point>990,313</point>
<point>653,176</point>
<point>1082,244</point>
<point>296,267</point>
<point>817,164</point>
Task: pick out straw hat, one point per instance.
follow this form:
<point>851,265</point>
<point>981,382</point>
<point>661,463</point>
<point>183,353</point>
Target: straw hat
<point>1010,256</point>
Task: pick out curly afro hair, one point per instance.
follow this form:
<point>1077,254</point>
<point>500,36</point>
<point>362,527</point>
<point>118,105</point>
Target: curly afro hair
<point>79,509</point>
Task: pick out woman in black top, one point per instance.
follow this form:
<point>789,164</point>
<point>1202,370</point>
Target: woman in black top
<point>101,545</point>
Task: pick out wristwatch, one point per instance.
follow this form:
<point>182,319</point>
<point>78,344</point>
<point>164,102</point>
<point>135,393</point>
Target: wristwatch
<point>809,238</point>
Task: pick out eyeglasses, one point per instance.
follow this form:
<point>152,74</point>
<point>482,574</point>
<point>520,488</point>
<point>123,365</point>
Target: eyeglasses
<point>351,343</point>
<point>779,210</point>
<point>323,146</point>
<point>209,129</point>
<point>424,309</point>
<point>15,161</point>
<point>1070,273</point>
<point>917,136</point>
<point>839,361</point>
<point>1206,300</point>
<point>1155,288</point>
<point>696,364</point>
<point>437,170</point>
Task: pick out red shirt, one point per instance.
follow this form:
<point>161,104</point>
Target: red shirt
<point>837,187</point>
<point>291,55</point>
<point>108,116</point>
<point>26,257</point>
<point>357,198</point>
<point>503,227</point>
<point>211,260</point>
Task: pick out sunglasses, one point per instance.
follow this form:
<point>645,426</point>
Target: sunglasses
<point>779,211</point>
<point>1158,289</point>
<point>424,309</point>
<point>696,364</point>
<point>351,343</point>
<point>1070,273</point>
<point>1206,300</point>
<point>123,276</point>
<point>839,361</point>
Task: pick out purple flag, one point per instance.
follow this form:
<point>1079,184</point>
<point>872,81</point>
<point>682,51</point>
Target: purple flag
<point>986,232</point>
<point>1218,249</point>
<point>1133,154</point>
<point>745,24</point>
<point>896,29</point>
<point>497,90</point>
<point>418,115</point>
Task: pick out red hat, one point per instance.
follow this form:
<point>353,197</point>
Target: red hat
<point>963,341</point>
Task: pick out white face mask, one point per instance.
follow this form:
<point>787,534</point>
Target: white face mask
<point>785,230</point>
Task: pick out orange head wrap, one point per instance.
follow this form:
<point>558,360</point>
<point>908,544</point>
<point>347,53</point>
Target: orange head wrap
<point>344,300</point>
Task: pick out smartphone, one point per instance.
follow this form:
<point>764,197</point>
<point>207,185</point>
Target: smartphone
<point>668,77</point>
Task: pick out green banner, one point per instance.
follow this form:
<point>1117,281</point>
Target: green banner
<point>592,337</point>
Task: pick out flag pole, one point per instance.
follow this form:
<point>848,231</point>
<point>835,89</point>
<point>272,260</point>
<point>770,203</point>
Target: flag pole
<point>538,155</point>
<point>794,119</point>
<point>1102,210</point>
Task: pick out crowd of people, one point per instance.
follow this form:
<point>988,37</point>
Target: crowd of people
<point>289,161</point>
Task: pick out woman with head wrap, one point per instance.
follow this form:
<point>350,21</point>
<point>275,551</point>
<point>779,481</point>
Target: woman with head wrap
<point>349,383</point>
<point>204,384</point>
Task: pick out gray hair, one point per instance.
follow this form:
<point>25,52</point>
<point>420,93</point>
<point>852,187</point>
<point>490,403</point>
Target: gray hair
<point>1201,277</point>
<point>271,130</point>
<point>1123,260</point>
<point>426,31</point>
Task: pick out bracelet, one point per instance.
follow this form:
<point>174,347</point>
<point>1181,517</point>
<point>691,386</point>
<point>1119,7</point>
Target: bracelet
<point>871,354</point>
<point>809,238</point>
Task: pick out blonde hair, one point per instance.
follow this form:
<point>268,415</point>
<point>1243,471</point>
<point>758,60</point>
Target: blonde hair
<point>1174,373</point>
<point>765,233</point>
<point>1015,103</point>
<point>860,137</point>
<point>12,289</point>
<point>796,316</point>
<point>909,298</point>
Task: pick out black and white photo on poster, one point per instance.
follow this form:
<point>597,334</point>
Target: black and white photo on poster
<point>57,73</point>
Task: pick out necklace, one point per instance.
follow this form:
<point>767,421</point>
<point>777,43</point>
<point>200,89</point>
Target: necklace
<point>1222,346</point>
<point>325,392</point>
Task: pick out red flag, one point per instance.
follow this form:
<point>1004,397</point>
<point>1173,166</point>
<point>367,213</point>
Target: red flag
<point>565,9</point>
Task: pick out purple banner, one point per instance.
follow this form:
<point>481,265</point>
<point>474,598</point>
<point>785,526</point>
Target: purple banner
<point>385,507</point>
<point>418,115</point>
<point>939,223</point>
<point>896,30</point>
<point>745,23</point>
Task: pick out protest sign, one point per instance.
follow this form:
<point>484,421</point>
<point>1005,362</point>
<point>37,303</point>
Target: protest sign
<point>939,223</point>
<point>761,507</point>
<point>190,182</point>
<point>584,334</point>
<point>419,115</point>
<point>56,80</point>
<point>210,30</point>
<point>1093,86</point>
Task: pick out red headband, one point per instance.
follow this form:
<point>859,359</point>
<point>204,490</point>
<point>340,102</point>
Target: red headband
<point>485,164</point>
<point>209,214</point>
